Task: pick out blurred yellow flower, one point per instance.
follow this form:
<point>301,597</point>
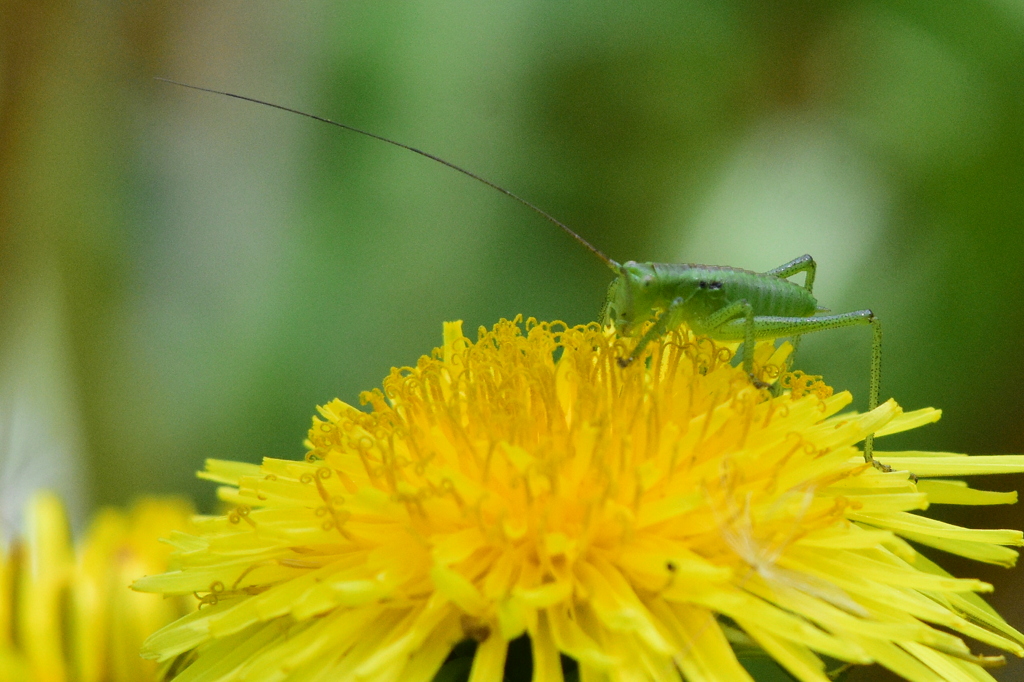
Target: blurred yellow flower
<point>642,521</point>
<point>66,612</point>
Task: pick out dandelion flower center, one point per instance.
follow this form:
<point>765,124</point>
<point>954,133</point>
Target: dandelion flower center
<point>637,520</point>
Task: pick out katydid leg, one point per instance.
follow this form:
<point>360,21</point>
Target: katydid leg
<point>739,315</point>
<point>803,264</point>
<point>776,327</point>
<point>670,319</point>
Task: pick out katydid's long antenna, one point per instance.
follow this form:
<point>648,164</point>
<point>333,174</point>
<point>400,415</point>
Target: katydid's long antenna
<point>590,247</point>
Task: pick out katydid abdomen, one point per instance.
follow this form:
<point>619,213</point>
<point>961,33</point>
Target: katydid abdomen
<point>768,296</point>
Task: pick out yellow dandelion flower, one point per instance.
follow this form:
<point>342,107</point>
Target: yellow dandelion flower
<point>643,522</point>
<point>66,612</point>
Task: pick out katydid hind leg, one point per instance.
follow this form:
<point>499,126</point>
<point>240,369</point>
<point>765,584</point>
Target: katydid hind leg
<point>776,327</point>
<point>874,388</point>
<point>804,264</point>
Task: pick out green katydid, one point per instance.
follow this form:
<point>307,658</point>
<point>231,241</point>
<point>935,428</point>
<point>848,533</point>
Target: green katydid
<point>723,303</point>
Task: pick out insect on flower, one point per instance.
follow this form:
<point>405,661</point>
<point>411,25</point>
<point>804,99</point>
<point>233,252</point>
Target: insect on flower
<point>721,302</point>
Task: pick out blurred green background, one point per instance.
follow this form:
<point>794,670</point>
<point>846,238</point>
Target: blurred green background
<point>185,276</point>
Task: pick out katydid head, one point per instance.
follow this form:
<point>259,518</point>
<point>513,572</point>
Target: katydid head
<point>633,297</point>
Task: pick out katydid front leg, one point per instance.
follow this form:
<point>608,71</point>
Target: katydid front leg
<point>670,319</point>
